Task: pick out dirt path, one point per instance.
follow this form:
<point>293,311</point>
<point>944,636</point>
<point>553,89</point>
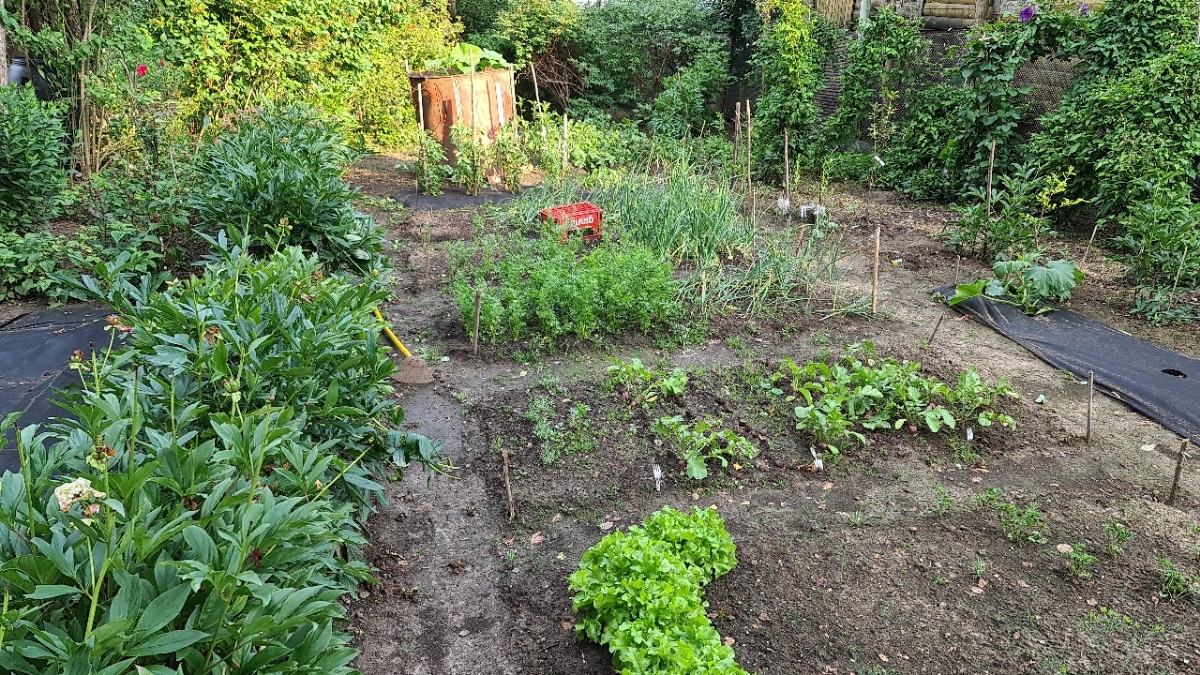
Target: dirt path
<point>849,571</point>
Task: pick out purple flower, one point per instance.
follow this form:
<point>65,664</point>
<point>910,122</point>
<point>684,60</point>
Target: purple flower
<point>1083,9</point>
<point>1027,14</point>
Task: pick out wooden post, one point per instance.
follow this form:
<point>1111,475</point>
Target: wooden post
<point>936,326</point>
<point>957,264</point>
<point>1087,435</point>
<point>875,275</point>
<point>475,334</point>
<point>991,165</point>
<point>512,91</point>
<point>737,139</point>
<point>1178,470</point>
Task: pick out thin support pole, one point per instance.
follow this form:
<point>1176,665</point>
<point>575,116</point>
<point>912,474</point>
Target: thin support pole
<point>564,143</point>
<point>991,165</point>
<point>787,171</point>
<point>421,125</point>
<point>512,507</point>
<point>749,152</point>
<point>737,139</point>
<point>936,326</point>
<point>475,333</point>
<point>474,132</point>
<point>1182,262</point>
<point>875,275</point>
<point>1178,470</point>
<point>1088,250</point>
<point>957,265</point>
<point>537,97</point>
<point>1091,395</point>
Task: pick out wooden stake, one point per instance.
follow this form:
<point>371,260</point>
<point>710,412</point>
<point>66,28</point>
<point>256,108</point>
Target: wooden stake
<point>957,264</point>
<point>991,165</point>
<point>787,172</point>
<point>421,124</point>
<point>1182,262</point>
<point>875,275</point>
<point>475,334</point>
<point>1087,436</point>
<point>1088,250</point>
<point>564,143</point>
<point>737,138</point>
<point>936,326</point>
<point>512,507</point>
<point>512,91</point>
<point>749,153</point>
<point>1178,470</point>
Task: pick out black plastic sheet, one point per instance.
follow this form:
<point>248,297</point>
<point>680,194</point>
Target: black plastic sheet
<point>35,351</point>
<point>1155,381</point>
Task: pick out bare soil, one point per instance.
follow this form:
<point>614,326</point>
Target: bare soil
<point>848,570</point>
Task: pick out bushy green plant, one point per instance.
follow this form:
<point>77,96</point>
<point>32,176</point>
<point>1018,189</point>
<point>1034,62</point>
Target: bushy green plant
<point>1159,240</point>
<point>921,159</point>
<point>192,514</point>
<point>628,49</point>
<point>1118,534</point>
<point>882,393</point>
<point>682,107</point>
<point>1022,525</point>
<point>470,160</point>
<point>430,170</point>
<point>279,174</point>
<point>639,594</point>
<point>32,171</point>
<point>530,28</point>
<point>546,289</point>
<point>701,441</point>
<point>642,385</point>
<point>847,167</point>
<point>465,58</point>
<point>790,56</point>
<point>1136,135</point>
<point>1175,584</point>
<point>1080,560</point>
<point>1026,283</point>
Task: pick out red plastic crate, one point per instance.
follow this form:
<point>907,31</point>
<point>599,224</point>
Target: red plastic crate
<point>579,216</point>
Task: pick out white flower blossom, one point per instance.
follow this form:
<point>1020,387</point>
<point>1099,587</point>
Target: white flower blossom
<point>74,492</point>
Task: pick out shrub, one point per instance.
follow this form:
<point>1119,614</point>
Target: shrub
<point>553,290</point>
<point>191,516</point>
<point>31,159</point>
<point>639,593</point>
<point>682,107</point>
<point>847,166</point>
<point>921,158</point>
<point>280,176</point>
<point>704,440</point>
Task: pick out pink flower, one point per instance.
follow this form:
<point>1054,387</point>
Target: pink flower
<point>141,70</point>
<point>161,63</point>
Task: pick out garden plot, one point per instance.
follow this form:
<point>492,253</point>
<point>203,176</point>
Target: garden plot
<point>911,553</point>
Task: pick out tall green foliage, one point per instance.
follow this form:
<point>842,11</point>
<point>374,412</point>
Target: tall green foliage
<point>790,58</point>
<point>344,56</point>
<point>32,171</point>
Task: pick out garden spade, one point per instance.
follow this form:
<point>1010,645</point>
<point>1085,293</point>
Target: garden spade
<point>413,369</point>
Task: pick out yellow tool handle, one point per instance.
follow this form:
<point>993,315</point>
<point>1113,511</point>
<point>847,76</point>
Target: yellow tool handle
<point>387,330</point>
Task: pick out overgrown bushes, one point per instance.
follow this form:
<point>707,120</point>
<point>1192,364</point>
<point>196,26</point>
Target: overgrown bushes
<point>639,594</point>
<point>202,510</point>
<point>32,172</point>
<point>279,174</point>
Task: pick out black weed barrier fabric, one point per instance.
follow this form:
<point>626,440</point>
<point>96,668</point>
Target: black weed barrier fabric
<point>35,352</point>
<point>1155,381</point>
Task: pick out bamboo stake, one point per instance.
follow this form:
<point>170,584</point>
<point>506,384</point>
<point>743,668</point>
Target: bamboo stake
<point>737,136</point>
<point>512,508</point>
<point>421,124</point>
<point>875,275</point>
<point>537,97</point>
<point>512,90</point>
<point>1178,470</point>
<point>1091,394</point>
<point>564,143</point>
<point>1088,250</point>
<point>787,172</point>
<point>936,326</point>
<point>474,131</point>
<point>957,264</point>
<point>991,165</point>
<point>475,334</point>
<point>1182,262</point>
<point>749,153</point>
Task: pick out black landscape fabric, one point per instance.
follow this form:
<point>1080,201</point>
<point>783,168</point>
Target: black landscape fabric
<point>35,350</point>
<point>1153,380</point>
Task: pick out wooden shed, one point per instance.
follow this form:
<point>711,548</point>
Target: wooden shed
<point>484,99</point>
